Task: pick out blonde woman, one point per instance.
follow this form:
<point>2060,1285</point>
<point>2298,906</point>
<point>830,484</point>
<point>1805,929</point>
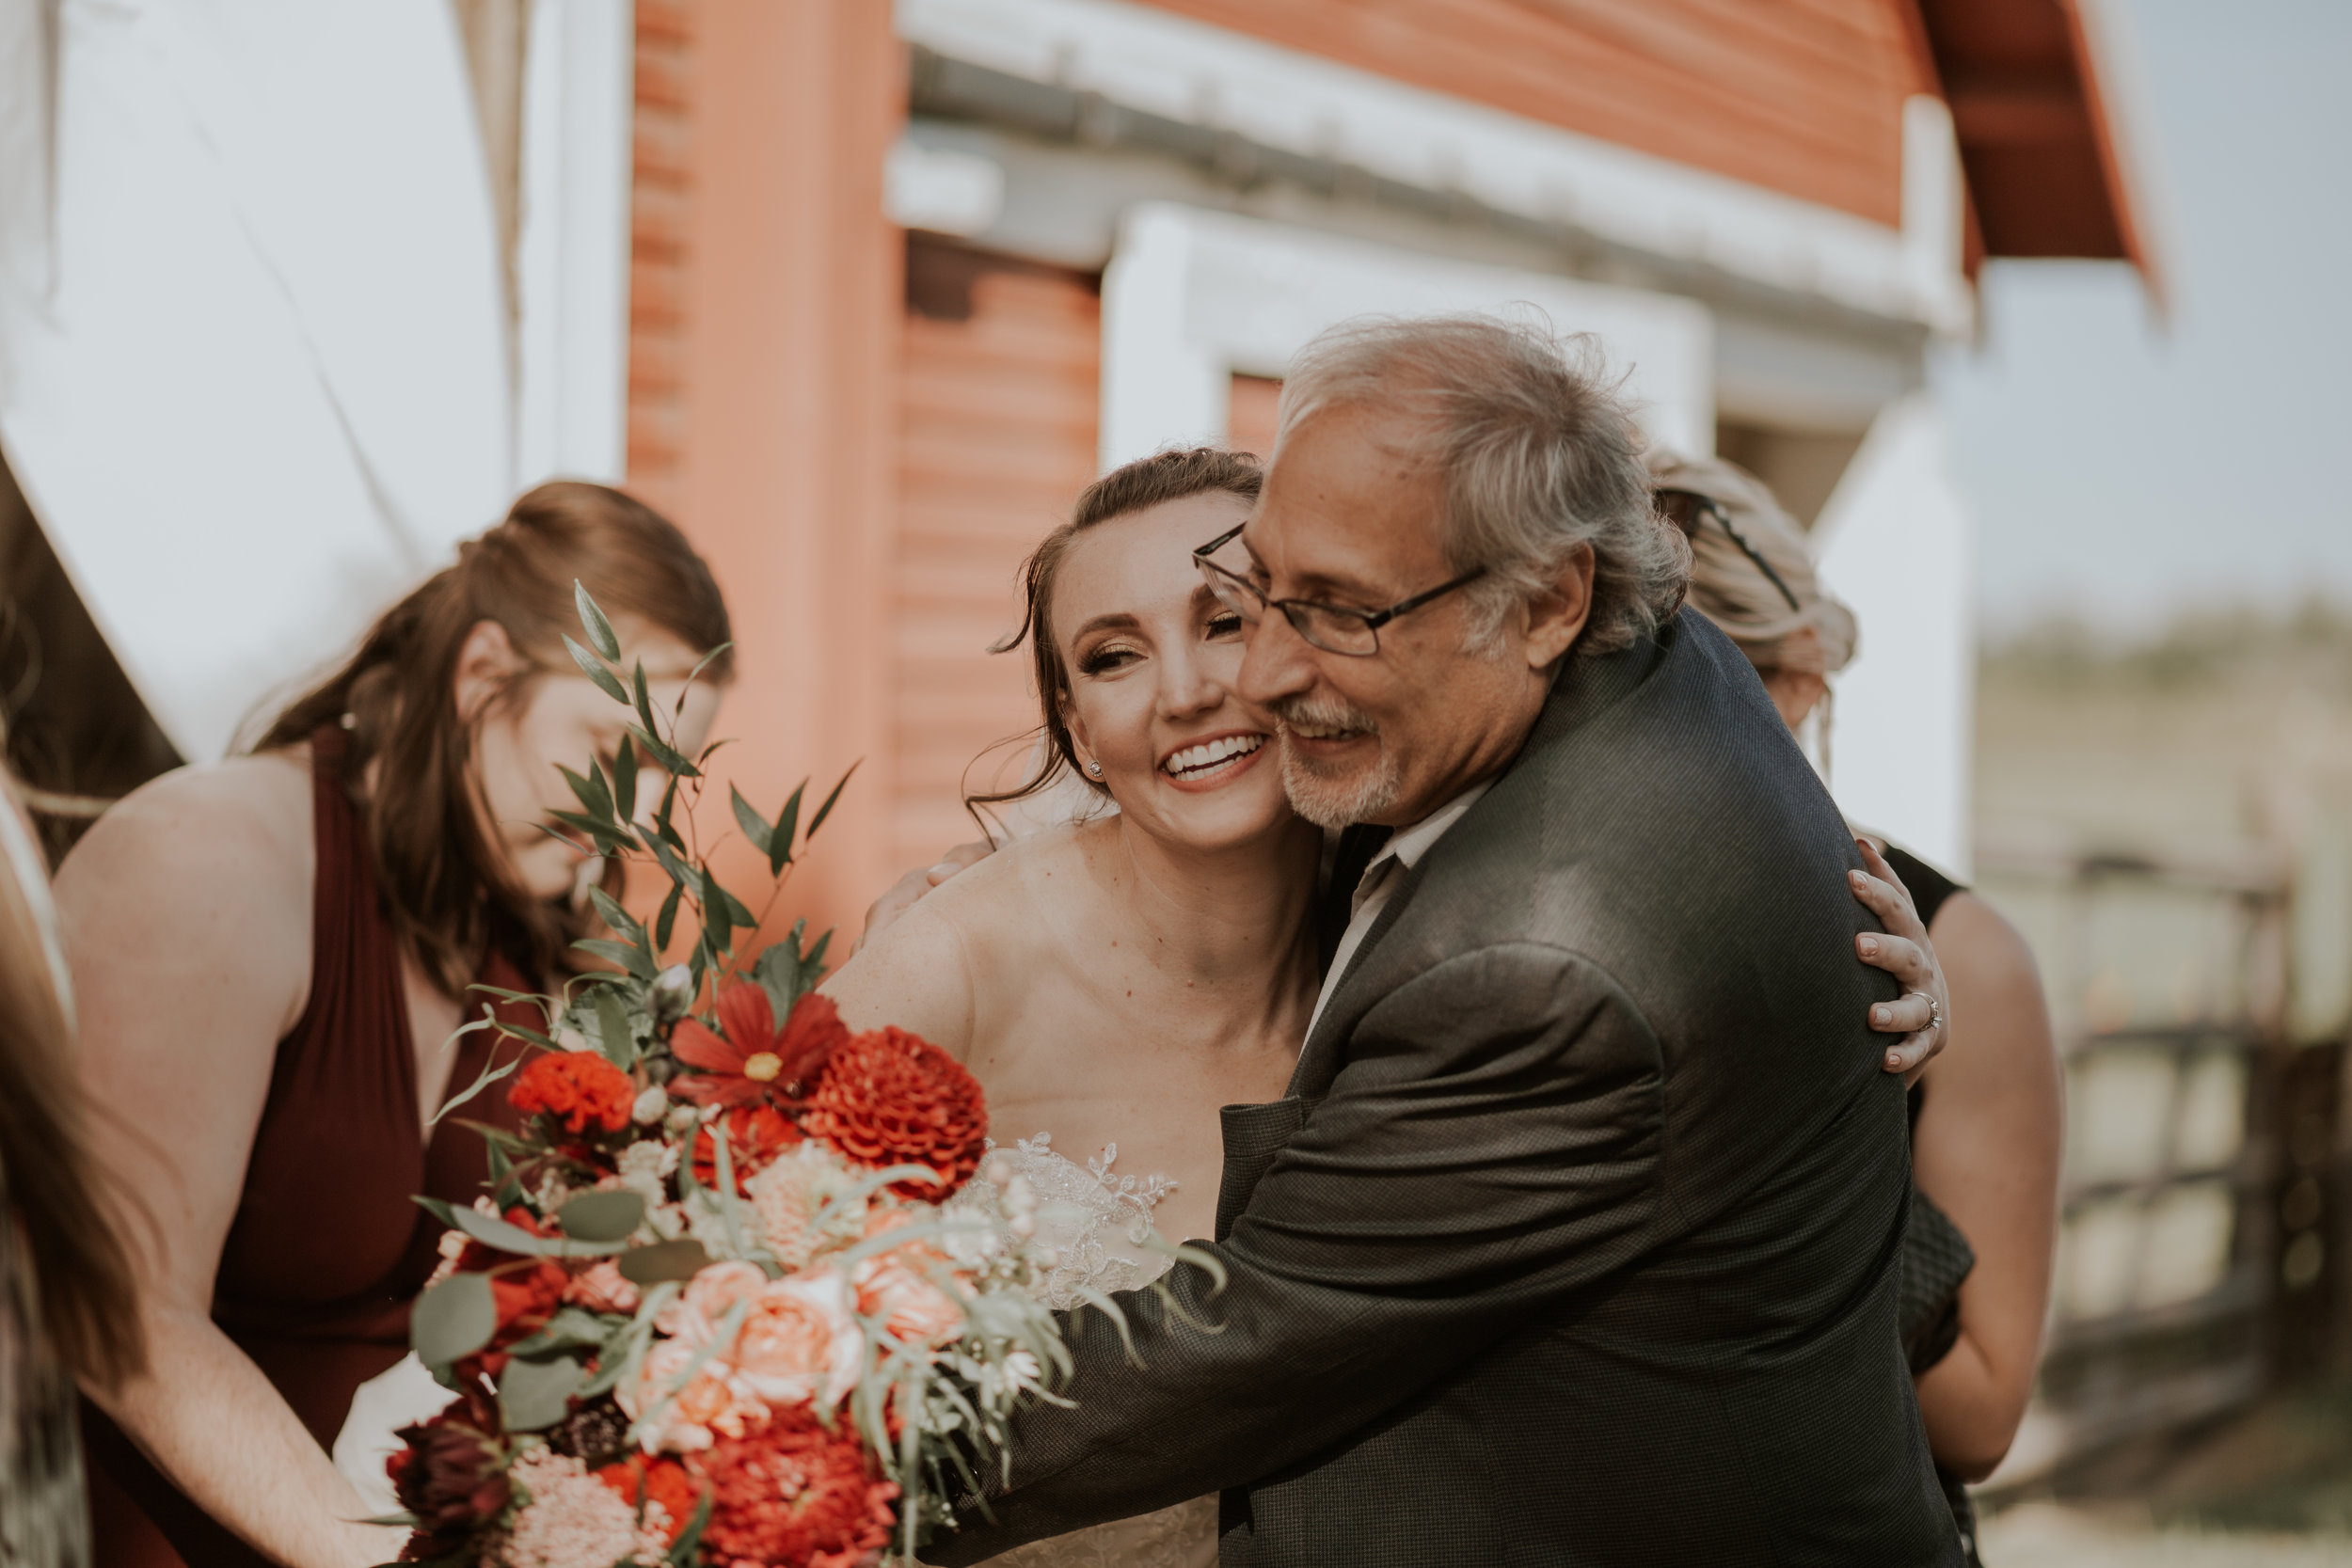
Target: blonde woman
<point>1985,1113</point>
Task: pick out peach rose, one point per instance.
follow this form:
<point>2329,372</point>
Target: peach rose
<point>800,1342</point>
<point>694,1317</point>
<point>603,1288</point>
<point>686,1414</point>
<point>900,1287</point>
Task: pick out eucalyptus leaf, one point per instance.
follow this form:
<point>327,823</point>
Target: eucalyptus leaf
<point>534,1395</point>
<point>627,955</point>
<point>826,810</point>
<point>614,915</point>
<point>603,1216</point>
<point>754,826</point>
<point>492,1232</point>
<point>592,620</point>
<point>663,752</point>
<point>592,791</point>
<point>676,868</point>
<point>625,779</point>
<point>571,1328</point>
<point>737,911</point>
<point>454,1319</point>
<point>667,920</point>
<point>593,668</point>
<point>613,1035</point>
<point>644,698</point>
<point>680,1260</point>
<point>609,840</point>
<point>780,851</point>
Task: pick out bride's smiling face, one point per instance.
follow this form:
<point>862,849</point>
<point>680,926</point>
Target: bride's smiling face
<point>1152,656</point>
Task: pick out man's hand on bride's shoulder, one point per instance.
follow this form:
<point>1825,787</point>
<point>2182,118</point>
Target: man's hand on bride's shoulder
<point>1919,1014</point>
<point>909,890</point>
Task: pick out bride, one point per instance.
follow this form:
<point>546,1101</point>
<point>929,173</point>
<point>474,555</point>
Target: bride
<point>1113,982</point>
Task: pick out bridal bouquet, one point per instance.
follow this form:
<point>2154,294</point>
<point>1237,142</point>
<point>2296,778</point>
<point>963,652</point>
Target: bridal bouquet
<point>709,1309</point>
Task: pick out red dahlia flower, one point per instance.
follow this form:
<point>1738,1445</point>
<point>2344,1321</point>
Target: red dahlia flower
<point>889,1098</point>
<point>756,1135</point>
<point>577,1089</point>
<point>449,1479</point>
<point>793,1491</point>
<point>750,1058</point>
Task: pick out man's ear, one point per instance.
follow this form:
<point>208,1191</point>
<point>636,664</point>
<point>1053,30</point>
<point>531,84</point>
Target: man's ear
<point>1557,616</point>
<point>487,665</point>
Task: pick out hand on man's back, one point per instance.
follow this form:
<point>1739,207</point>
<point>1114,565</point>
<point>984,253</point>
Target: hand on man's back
<point>909,890</point>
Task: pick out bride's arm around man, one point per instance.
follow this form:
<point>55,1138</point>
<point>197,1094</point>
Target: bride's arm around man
<point>1575,1237</point>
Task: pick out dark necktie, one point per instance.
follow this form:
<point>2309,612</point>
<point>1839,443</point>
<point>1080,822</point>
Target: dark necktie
<point>1357,845</point>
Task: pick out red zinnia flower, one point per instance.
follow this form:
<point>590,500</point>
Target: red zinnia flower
<point>577,1089</point>
<point>756,1135</point>
<point>889,1098</point>
<point>751,1058</point>
<point>793,1491</point>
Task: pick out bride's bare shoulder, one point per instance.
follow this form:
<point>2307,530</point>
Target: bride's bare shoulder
<point>924,971</point>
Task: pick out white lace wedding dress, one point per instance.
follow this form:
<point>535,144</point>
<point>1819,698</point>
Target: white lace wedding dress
<point>1095,1222</point>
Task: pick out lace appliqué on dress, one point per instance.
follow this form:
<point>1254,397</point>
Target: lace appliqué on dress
<point>1096,1224</point>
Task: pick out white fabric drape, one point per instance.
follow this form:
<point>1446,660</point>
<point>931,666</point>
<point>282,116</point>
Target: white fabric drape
<point>253,374</point>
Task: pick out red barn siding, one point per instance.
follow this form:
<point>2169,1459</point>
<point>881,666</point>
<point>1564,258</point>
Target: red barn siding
<point>1801,96</point>
<point>1000,396</point>
<point>658,200</point>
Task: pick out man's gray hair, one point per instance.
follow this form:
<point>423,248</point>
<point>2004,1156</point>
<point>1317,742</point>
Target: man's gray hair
<point>1539,455</point>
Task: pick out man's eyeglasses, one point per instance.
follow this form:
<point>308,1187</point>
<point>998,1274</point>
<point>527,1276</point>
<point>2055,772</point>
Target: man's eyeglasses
<point>1334,628</point>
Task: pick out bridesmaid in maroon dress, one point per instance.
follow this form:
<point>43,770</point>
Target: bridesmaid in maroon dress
<point>272,956</point>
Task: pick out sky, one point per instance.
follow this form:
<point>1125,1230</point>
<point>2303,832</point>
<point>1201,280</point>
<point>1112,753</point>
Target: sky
<point>2126,460</point>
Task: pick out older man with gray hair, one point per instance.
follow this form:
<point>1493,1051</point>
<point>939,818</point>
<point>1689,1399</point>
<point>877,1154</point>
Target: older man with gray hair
<point>1575,1240</point>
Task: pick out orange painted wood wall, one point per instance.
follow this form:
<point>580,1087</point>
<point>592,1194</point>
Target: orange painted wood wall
<point>999,397</point>
<point>1801,96</point>
<point>764,393</point>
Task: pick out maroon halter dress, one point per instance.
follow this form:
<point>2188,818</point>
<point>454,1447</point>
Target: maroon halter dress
<point>328,1250</point>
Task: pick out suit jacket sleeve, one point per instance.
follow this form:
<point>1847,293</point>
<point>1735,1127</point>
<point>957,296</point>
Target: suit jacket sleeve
<point>1488,1148</point>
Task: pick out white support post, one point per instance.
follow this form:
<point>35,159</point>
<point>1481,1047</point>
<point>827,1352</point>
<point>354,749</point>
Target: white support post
<point>1896,549</point>
<point>571,262</point>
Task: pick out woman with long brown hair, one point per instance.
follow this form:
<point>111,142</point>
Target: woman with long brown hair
<point>273,957</point>
<point>66,1304</point>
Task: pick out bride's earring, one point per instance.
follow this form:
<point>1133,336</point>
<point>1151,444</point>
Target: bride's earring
<point>1094,770</point>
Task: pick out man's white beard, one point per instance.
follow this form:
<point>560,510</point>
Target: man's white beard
<point>1330,798</point>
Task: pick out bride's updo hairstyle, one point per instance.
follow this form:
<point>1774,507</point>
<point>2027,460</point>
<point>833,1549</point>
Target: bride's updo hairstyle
<point>1138,486</point>
<point>445,883</point>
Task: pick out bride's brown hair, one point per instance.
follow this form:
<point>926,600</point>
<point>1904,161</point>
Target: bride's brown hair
<point>1138,486</point>
<point>445,884</point>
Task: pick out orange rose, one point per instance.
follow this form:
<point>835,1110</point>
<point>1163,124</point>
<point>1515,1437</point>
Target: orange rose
<point>799,1343</point>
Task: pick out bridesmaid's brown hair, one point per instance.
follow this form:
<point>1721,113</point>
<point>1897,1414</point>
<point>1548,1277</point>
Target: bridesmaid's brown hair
<point>447,886</point>
<point>1138,486</point>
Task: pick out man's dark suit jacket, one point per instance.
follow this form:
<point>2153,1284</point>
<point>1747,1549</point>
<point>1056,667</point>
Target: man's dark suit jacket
<point>1576,1241</point>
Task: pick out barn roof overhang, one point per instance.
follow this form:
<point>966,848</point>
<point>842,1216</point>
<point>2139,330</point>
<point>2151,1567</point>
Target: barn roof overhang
<point>2038,143</point>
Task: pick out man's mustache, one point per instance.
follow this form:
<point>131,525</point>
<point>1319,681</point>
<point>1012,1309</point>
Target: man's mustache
<point>1322,713</point>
